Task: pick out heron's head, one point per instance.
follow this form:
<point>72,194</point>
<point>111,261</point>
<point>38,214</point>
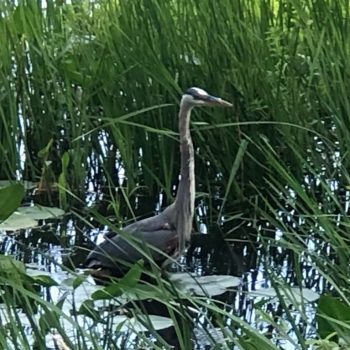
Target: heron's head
<point>194,97</point>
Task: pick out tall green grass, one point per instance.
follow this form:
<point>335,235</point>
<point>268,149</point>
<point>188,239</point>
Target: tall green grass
<point>68,70</point>
<point>95,85</point>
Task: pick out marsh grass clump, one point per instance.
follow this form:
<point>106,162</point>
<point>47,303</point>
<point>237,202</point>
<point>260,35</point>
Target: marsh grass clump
<point>80,79</point>
<point>88,112</point>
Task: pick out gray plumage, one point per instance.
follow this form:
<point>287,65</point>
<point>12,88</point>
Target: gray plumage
<point>169,231</point>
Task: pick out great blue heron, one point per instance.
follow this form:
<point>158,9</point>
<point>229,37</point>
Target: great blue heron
<point>169,231</point>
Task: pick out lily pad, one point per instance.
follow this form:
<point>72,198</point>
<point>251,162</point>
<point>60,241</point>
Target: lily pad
<point>293,294</point>
<point>204,285</point>
<point>18,221</point>
<point>26,217</point>
<point>140,323</point>
<point>40,212</point>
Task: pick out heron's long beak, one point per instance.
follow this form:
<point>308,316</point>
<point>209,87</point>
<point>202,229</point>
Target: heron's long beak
<point>217,101</point>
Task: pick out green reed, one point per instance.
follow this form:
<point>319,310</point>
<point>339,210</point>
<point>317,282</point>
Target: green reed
<point>67,68</point>
<point>96,78</point>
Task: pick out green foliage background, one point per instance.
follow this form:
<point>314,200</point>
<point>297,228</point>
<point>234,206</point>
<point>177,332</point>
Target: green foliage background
<point>92,87</point>
<point>69,71</point>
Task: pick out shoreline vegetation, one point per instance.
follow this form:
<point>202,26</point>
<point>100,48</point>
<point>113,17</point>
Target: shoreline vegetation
<point>88,117</point>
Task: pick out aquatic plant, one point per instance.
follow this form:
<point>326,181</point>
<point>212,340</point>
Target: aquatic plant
<point>88,103</point>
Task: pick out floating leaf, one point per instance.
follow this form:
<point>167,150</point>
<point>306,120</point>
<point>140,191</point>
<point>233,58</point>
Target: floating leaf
<point>140,323</point>
<point>40,212</point>
<point>204,285</point>
<point>290,294</point>
<point>18,221</point>
<point>10,199</point>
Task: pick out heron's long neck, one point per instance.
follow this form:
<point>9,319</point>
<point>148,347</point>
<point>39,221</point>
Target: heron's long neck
<point>186,191</point>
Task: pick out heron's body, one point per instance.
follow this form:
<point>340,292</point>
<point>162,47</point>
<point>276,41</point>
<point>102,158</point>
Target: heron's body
<point>120,250</point>
<point>167,233</point>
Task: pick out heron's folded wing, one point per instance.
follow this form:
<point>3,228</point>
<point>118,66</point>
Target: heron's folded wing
<point>164,220</point>
<point>130,248</point>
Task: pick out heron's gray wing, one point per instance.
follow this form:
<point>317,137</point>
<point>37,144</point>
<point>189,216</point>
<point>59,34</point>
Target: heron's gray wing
<point>130,248</point>
<point>154,223</point>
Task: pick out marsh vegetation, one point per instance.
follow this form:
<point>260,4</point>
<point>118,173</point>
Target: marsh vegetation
<point>89,96</point>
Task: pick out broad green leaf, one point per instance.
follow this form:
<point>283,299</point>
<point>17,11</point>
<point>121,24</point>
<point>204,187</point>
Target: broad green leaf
<point>112,291</point>
<point>10,199</point>
<point>44,280</point>
<point>333,316</point>
<point>78,281</point>
<point>133,276</point>
<point>142,291</point>
<point>11,268</point>
<point>8,264</point>
<point>127,283</point>
<point>87,308</point>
